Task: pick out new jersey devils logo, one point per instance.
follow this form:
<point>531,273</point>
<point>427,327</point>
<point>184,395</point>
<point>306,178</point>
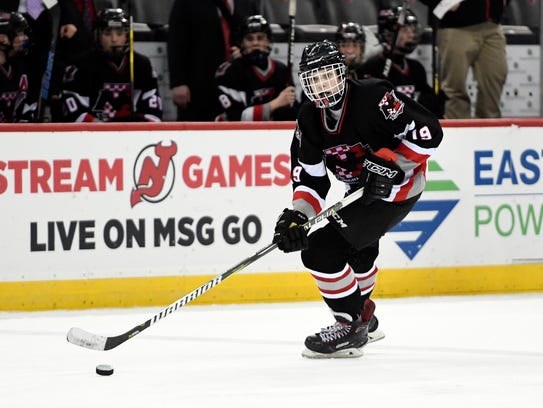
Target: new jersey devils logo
<point>154,173</point>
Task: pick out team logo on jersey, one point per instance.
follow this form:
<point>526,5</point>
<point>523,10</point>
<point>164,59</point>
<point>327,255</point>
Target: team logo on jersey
<point>23,84</point>
<point>346,160</point>
<point>262,94</point>
<point>69,73</point>
<point>113,101</point>
<point>408,90</point>
<point>391,106</point>
<point>154,173</point>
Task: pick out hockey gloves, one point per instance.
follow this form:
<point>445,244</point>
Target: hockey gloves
<point>289,234</point>
<point>378,176</point>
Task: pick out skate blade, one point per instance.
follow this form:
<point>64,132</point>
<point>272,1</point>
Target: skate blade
<point>347,353</point>
<point>375,336</point>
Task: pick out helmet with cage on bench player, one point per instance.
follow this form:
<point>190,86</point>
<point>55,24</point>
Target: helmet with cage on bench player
<point>322,73</point>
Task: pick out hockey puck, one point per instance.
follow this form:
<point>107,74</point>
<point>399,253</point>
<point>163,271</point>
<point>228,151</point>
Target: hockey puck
<point>104,369</point>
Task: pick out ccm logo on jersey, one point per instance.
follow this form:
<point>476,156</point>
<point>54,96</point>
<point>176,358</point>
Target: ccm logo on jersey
<point>391,106</point>
<point>380,170</point>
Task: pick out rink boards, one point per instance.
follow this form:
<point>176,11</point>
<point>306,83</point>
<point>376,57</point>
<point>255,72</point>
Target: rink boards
<point>119,215</point>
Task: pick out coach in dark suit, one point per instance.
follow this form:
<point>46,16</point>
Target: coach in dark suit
<point>196,47</point>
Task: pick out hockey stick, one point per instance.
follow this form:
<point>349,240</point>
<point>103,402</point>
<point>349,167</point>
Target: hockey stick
<point>291,36</point>
<point>435,59</point>
<point>401,22</point>
<point>54,9</point>
<point>92,341</point>
<point>131,59</point>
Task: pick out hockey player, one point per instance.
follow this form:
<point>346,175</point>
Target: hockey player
<point>351,40</point>
<point>368,136</point>
<point>18,94</point>
<point>256,87</point>
<point>98,86</point>
<point>407,74</point>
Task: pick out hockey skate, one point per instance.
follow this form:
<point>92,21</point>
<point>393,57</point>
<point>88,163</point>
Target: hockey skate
<point>344,339</point>
<point>374,334</point>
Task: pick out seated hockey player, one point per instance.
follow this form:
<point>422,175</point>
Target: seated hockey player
<point>98,87</point>
<point>351,40</point>
<point>255,87</point>
<point>367,136</point>
<point>407,74</point>
<point>18,93</point>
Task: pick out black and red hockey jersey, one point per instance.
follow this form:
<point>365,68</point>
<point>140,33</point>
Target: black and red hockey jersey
<point>371,116</point>
<point>18,99</point>
<point>96,88</point>
<point>408,76</point>
<point>244,90</point>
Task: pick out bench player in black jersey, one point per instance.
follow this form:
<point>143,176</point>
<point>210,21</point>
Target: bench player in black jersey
<point>407,74</point>
<point>18,93</point>
<point>97,87</point>
<point>368,136</point>
<point>351,41</point>
<point>255,87</point>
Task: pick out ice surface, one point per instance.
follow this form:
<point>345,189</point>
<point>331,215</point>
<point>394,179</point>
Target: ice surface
<point>478,351</point>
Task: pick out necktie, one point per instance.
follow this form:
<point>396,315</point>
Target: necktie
<point>87,19</point>
<point>226,8</point>
<point>34,8</point>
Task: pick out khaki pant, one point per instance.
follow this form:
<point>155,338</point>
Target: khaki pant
<point>482,47</point>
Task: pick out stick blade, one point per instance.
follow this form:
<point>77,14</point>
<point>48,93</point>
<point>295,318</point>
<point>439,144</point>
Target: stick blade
<point>83,338</point>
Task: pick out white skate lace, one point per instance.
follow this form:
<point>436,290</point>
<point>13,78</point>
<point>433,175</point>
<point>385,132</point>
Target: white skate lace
<point>334,332</point>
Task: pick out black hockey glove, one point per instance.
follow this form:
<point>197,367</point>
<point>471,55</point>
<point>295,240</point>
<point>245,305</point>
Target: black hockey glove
<point>289,234</point>
<point>379,176</point>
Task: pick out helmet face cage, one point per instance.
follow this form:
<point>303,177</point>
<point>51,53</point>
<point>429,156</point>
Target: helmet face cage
<point>324,85</point>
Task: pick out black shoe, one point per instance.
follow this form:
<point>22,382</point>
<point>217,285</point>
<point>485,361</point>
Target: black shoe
<point>343,339</point>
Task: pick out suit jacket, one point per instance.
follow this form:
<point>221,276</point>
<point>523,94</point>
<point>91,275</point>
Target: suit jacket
<point>195,51</point>
<point>470,13</point>
<point>10,5</point>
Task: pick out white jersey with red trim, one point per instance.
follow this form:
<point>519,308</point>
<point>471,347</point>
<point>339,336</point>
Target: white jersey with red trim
<point>371,116</point>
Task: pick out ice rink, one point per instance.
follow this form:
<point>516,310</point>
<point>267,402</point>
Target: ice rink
<point>479,351</point>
